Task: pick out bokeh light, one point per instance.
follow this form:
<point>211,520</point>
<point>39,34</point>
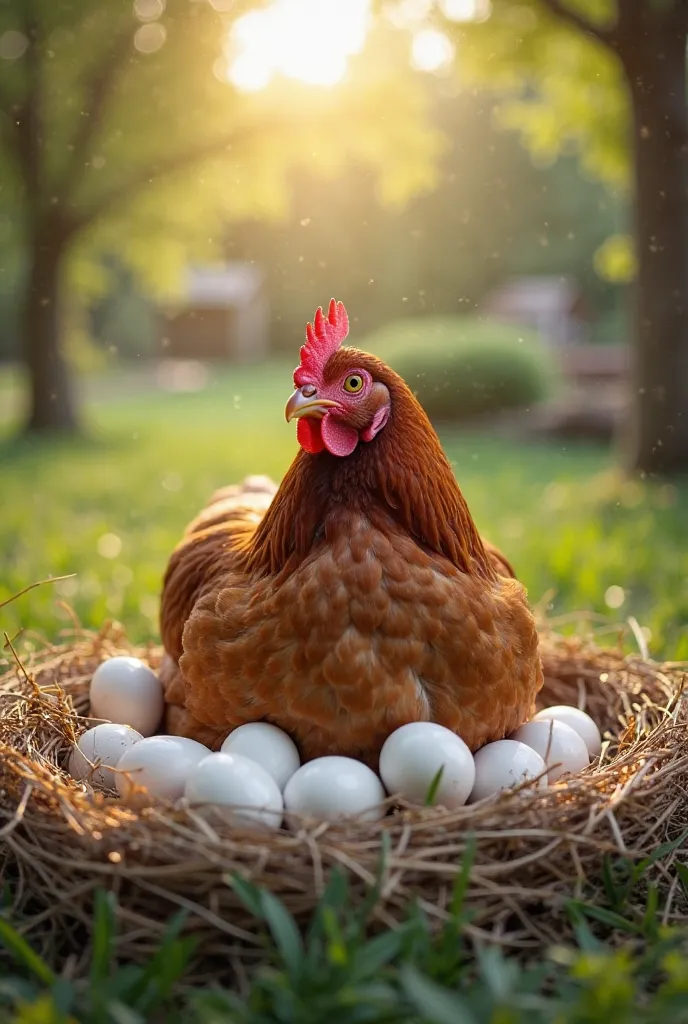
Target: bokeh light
<point>465,10</point>
<point>13,45</point>
<point>614,597</point>
<point>148,10</point>
<point>109,545</point>
<point>149,38</point>
<point>308,40</point>
<point>406,13</point>
<point>431,50</point>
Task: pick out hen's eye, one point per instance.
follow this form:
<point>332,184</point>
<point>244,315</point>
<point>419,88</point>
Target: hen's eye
<point>353,383</point>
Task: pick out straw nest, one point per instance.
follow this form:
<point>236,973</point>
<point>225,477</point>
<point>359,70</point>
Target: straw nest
<point>533,850</point>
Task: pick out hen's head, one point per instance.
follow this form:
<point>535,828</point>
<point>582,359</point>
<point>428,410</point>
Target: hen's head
<point>338,400</point>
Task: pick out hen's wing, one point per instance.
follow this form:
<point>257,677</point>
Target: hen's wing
<point>204,555</point>
<point>206,552</point>
<point>369,633</point>
<point>499,561</point>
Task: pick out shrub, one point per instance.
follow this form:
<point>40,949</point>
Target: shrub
<point>464,367</point>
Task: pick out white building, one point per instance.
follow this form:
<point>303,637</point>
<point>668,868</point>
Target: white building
<point>222,313</point>
<point>554,306</point>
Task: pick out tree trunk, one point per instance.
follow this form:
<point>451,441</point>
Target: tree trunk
<point>51,389</point>
<point>655,65</point>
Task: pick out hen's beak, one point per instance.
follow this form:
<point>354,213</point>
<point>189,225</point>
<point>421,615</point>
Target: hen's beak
<point>307,404</point>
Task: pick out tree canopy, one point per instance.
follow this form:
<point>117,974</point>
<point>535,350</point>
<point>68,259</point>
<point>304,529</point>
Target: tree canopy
<point>608,78</point>
<point>560,85</point>
<point>120,131</point>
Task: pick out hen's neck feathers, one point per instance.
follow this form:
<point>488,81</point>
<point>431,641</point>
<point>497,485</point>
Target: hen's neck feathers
<point>402,475</point>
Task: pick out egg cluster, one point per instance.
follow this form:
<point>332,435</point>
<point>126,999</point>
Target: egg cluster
<point>257,774</point>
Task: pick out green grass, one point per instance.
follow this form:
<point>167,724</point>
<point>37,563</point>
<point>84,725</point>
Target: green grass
<point>111,508</point>
<point>624,968</point>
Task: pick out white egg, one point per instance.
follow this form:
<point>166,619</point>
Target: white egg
<point>559,745</point>
<point>503,764</point>
<point>104,745</point>
<point>578,721</point>
<point>335,787</point>
<point>126,691</point>
<point>413,755</point>
<point>237,787</point>
<point>160,765</point>
<point>268,746</point>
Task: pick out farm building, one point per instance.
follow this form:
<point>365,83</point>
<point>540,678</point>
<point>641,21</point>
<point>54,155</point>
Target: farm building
<point>554,306</point>
<point>222,314</point>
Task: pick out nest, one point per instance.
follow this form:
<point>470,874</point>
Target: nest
<point>533,850</point>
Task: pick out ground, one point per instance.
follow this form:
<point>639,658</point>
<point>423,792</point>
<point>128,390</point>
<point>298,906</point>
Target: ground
<point>112,507</point>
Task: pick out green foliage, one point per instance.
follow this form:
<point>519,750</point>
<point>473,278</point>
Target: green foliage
<point>615,259</point>
<point>110,994</point>
<point>145,150</point>
<point>562,90</point>
<point>464,367</point>
<point>123,322</point>
<point>492,215</point>
<point>339,970</point>
<point>572,525</point>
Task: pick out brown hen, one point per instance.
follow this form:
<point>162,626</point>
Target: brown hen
<point>355,598</point>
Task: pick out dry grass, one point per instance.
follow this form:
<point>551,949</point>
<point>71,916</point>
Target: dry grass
<point>533,850</point>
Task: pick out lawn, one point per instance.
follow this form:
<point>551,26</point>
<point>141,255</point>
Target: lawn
<point>339,974</point>
<point>111,508</point>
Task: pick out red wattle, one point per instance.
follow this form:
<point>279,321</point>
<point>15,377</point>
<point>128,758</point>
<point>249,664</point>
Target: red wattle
<point>309,435</point>
<point>339,439</point>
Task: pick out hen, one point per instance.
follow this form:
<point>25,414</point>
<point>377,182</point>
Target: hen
<point>356,598</point>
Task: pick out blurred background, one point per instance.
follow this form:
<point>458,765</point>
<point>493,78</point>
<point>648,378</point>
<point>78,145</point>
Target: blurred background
<point>182,182</point>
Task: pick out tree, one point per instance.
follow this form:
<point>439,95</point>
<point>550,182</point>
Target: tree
<point>119,131</point>
<point>609,76</point>
<point>492,215</point>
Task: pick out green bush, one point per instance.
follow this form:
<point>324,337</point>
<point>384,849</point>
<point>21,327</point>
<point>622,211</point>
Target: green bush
<point>465,366</point>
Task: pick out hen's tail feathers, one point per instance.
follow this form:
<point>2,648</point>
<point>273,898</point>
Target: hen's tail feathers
<point>499,561</point>
<point>207,551</point>
<point>250,485</point>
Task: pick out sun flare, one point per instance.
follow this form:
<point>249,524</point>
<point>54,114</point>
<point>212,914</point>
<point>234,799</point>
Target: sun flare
<point>309,40</point>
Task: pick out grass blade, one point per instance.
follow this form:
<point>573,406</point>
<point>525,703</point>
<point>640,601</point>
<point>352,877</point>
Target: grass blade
<point>463,877</point>
<point>103,936</point>
<point>682,872</point>
<point>615,894</point>
<point>433,1003</point>
<point>664,849</point>
<point>434,786</point>
<point>155,982</point>
<point>608,917</point>
<point>248,893</point>
<point>284,931</point>
<point>24,955</point>
<point>587,942</point>
<point>379,952</point>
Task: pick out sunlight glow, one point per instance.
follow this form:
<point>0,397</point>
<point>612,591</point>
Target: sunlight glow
<point>149,10</point>
<point>406,13</point>
<point>310,40</point>
<point>150,37</point>
<point>465,10</point>
<point>431,50</point>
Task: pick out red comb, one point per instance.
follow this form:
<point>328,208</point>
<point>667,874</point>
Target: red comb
<point>323,338</point>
